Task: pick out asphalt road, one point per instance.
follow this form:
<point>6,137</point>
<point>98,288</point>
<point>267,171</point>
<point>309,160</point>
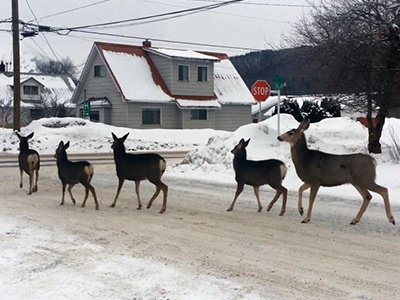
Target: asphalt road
<point>11,160</point>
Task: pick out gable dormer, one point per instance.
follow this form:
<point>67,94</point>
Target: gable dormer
<point>185,72</point>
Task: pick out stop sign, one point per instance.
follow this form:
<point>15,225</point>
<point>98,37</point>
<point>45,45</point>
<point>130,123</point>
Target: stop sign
<point>260,90</point>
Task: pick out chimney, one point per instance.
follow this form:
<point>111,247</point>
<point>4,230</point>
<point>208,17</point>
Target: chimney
<point>146,43</point>
<point>2,67</point>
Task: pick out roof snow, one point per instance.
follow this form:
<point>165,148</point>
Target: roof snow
<point>229,87</point>
<point>134,77</point>
<point>186,54</point>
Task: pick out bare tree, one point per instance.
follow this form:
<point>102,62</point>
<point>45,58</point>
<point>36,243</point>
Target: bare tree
<point>360,41</point>
<point>62,66</point>
<point>52,106</point>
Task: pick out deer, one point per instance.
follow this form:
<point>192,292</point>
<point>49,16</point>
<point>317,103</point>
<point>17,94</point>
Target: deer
<point>316,168</point>
<point>29,161</point>
<point>137,167</point>
<point>72,173</point>
<point>257,173</point>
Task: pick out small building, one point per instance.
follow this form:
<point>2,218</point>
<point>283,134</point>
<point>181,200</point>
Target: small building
<point>149,87</point>
<point>38,91</point>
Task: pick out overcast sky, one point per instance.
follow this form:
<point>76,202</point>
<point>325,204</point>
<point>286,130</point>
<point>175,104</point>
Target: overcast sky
<point>252,24</point>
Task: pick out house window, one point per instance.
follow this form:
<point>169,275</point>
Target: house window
<point>198,114</point>
<point>31,90</point>
<point>95,116</point>
<point>151,116</point>
<point>183,73</point>
<point>202,74</point>
<point>100,71</point>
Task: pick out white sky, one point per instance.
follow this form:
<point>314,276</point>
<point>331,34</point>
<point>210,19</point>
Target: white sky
<point>239,25</point>
<point>209,160</point>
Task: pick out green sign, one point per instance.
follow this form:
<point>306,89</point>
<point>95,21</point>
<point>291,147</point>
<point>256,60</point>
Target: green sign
<point>86,108</point>
<point>279,83</point>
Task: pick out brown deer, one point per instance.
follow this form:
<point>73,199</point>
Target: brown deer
<point>72,173</point>
<point>316,169</point>
<point>257,173</point>
<point>29,161</point>
<point>137,167</point>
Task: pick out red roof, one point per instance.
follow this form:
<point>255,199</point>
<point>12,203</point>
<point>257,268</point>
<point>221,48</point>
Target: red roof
<point>139,51</point>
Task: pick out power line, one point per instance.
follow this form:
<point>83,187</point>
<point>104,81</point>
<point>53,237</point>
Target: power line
<point>196,9</point>
<point>44,36</point>
<point>261,4</point>
<point>167,41</point>
<point>73,9</point>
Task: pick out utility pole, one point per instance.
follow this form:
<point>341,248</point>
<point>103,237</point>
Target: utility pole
<point>16,60</point>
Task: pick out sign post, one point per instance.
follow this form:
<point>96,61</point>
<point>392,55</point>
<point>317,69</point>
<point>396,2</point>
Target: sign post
<point>260,91</point>
<point>279,83</point>
<point>86,109</point>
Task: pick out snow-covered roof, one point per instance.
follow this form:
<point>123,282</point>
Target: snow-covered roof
<point>56,87</point>
<point>187,104</point>
<point>186,54</point>
<point>134,77</point>
<point>229,87</point>
<point>138,79</point>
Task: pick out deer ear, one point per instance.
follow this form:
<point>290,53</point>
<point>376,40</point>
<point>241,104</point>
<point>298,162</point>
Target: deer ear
<point>66,146</point>
<point>18,135</point>
<point>30,136</point>
<point>246,143</point>
<point>114,136</point>
<point>124,137</point>
<point>304,125</point>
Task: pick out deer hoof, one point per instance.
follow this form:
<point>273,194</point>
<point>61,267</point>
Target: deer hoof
<point>391,220</point>
<point>353,222</point>
<point>306,220</point>
<point>112,205</point>
<point>301,211</point>
<point>229,209</point>
<point>139,208</point>
<point>161,211</point>
<point>282,213</point>
<point>259,210</point>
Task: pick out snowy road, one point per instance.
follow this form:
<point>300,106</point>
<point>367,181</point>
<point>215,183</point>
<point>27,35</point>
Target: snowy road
<point>196,250</point>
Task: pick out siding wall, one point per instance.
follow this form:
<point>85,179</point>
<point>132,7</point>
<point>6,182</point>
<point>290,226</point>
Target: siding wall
<point>168,69</point>
<point>169,115</point>
<point>104,87</point>
<point>187,123</point>
<point>31,82</point>
<point>231,117</point>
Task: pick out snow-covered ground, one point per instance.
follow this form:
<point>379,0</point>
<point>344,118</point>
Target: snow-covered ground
<point>35,247</point>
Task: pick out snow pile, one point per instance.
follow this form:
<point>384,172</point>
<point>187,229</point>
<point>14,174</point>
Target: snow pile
<point>333,135</point>
<point>88,137</point>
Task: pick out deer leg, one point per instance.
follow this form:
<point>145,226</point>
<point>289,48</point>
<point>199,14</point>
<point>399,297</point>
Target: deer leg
<point>257,193</point>
<point>313,194</point>
<point>137,184</point>
<point>366,200</point>
<point>381,190</point>
<point>92,190</point>
<point>302,188</point>
<point>35,188</point>
<point>70,186</point>
<point>120,183</point>
<point>239,189</point>
<point>21,184</point>
<point>30,182</point>
<point>64,185</point>
<point>160,186</point>
<point>86,196</point>
<point>164,188</point>
<point>279,190</point>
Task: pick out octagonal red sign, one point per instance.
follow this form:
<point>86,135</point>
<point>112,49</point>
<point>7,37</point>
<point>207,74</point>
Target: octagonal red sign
<point>261,90</point>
